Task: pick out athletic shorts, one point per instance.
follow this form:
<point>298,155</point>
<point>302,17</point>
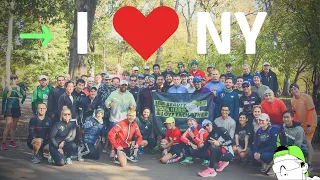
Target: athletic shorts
<point>309,136</point>
<point>13,112</point>
<point>125,150</point>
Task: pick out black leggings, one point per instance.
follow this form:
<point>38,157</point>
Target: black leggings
<point>89,151</point>
<point>68,149</point>
<point>216,155</point>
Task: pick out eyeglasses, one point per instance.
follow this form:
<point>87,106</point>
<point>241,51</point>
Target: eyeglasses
<point>133,80</point>
<point>67,114</point>
<point>14,78</point>
<point>261,120</point>
<point>206,126</point>
<point>136,70</point>
<point>286,117</point>
<point>180,67</point>
<point>245,86</point>
<point>267,94</point>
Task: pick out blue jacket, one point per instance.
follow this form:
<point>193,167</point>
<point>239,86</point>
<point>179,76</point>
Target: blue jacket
<point>217,85</point>
<point>248,77</point>
<point>230,99</point>
<point>265,140</point>
<point>92,130</point>
<point>179,89</point>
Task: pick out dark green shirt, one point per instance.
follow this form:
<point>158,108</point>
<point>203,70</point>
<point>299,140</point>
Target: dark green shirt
<point>13,101</point>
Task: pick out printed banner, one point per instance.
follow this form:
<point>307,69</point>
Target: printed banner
<point>180,106</point>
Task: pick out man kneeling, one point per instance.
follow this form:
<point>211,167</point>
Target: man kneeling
<point>93,130</point>
<point>39,130</point>
<point>126,138</point>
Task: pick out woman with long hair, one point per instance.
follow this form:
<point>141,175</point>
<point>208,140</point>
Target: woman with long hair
<point>11,109</point>
<point>62,135</point>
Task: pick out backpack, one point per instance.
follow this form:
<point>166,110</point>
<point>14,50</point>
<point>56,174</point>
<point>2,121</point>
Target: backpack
<point>10,91</point>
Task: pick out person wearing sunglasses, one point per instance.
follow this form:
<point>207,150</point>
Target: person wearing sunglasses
<point>258,87</point>
<point>39,131</point>
<point>274,108</point>
<point>192,137</point>
<point>305,113</point>
<point>133,89</point>
<point>219,144</point>
<point>181,69</point>
<point>248,100</point>
<point>198,86</point>
<point>11,110</point>
<point>265,143</point>
<point>61,144</point>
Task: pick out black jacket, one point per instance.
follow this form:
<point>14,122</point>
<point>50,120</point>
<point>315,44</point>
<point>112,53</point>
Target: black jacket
<point>270,79</point>
<point>218,133</point>
<point>65,100</point>
<point>88,106</point>
<point>53,99</point>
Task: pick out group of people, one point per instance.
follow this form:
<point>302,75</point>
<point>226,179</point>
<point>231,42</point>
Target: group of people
<point>115,112</point>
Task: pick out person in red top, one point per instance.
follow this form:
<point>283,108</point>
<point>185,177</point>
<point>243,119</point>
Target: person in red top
<point>273,107</point>
<point>171,144</point>
<point>196,71</point>
<point>192,138</point>
<point>126,138</point>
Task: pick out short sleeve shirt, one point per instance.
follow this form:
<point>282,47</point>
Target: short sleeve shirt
<point>174,135</point>
<point>301,106</point>
<point>242,132</point>
<point>247,102</point>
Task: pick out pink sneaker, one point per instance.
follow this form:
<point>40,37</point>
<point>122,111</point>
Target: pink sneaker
<point>222,165</point>
<point>4,146</point>
<point>12,144</point>
<point>208,173</point>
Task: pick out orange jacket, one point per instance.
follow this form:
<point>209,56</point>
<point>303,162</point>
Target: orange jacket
<point>121,134</point>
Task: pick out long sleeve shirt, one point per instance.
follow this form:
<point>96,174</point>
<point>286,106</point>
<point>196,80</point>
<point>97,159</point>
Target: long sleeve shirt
<point>92,130</point>
<point>178,89</point>
<point>229,124</point>
<point>220,134</point>
<point>39,128</point>
<point>122,101</point>
<point>62,131</point>
<point>265,140</point>
<point>53,99</point>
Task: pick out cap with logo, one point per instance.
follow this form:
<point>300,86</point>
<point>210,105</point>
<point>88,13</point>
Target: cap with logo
<point>294,85</point>
<point>194,62</point>
<point>140,76</point>
<point>257,74</point>
<point>92,87</point>
<point>146,68</point>
<point>266,64</point>
<point>184,74</point>
<point>135,68</point>
<point>196,79</point>
<point>106,77</point>
<point>246,83</point>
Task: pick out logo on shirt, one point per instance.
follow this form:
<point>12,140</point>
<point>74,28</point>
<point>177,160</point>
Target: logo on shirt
<point>62,128</point>
<point>47,123</point>
<point>222,95</point>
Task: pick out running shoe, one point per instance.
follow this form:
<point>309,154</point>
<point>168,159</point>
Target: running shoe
<point>271,172</point>
<point>12,144</point>
<point>116,160</point>
<point>68,161</point>
<point>112,154</point>
<point>187,160</point>
<point>205,163</point>
<point>50,160</point>
<point>4,146</point>
<point>268,166</point>
<point>35,159</point>
<point>133,158</point>
<point>40,155</point>
<point>208,173</point>
<point>140,151</point>
<point>222,165</point>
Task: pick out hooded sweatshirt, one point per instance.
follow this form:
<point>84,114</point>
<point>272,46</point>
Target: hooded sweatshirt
<point>294,135</point>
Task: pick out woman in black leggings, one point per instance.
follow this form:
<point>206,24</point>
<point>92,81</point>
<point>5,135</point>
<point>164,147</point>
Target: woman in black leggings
<point>61,139</point>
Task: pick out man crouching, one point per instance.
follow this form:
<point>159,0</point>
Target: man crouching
<point>126,138</point>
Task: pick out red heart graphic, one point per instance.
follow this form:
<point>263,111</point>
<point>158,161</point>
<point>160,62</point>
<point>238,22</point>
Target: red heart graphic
<point>145,34</point>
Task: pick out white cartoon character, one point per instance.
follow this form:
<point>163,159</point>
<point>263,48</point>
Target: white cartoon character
<point>193,107</point>
<point>289,164</point>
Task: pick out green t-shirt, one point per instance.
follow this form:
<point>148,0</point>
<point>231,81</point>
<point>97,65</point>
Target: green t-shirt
<point>40,96</point>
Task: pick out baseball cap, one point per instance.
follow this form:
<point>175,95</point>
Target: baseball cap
<point>43,77</point>
<point>151,77</point>
<point>123,82</point>
<point>99,110</point>
<point>183,74</point>
<point>135,68</point>
<point>205,122</point>
<point>210,66</point>
<point>106,77</point>
<point>196,79</point>
<point>170,120</point>
<point>294,85</point>
<point>264,116</point>
<point>266,64</point>
<point>246,83</point>
<point>92,87</point>
<point>257,74</point>
<point>228,64</point>
<point>140,76</point>
<point>146,68</point>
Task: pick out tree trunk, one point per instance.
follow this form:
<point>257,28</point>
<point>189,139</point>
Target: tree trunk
<point>189,33</point>
<point>77,63</point>
<point>296,77</point>
<point>158,58</point>
<point>286,84</point>
<point>9,46</point>
<point>176,5</point>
